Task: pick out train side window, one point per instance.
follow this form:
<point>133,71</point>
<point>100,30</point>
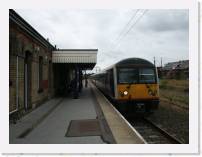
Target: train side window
<point>106,79</point>
<point>111,77</point>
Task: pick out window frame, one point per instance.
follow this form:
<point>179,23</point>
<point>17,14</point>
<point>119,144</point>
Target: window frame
<point>154,74</point>
<point>138,72</point>
<point>118,70</point>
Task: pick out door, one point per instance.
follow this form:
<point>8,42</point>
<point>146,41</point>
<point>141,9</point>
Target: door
<point>27,81</point>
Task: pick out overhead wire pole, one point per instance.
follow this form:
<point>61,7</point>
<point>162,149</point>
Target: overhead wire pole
<point>161,62</point>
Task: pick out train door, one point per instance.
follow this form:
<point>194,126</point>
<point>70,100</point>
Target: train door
<point>27,81</point>
<point>111,82</point>
<point>115,82</point>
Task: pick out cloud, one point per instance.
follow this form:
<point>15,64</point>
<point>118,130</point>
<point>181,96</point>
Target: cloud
<point>165,20</point>
<point>159,33</point>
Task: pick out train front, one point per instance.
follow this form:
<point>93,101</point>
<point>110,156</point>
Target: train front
<point>137,85</point>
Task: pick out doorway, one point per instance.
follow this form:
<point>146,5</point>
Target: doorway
<point>27,80</point>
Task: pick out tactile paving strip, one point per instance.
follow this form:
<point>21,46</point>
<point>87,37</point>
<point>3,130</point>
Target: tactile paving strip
<point>87,127</point>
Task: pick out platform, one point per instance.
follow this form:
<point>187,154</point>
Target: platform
<point>91,119</point>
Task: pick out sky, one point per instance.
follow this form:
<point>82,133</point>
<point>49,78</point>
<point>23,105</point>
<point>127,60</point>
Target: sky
<point>117,34</point>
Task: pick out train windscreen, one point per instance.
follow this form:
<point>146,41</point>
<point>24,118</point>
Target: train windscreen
<point>127,75</point>
<point>132,75</point>
<point>146,75</point>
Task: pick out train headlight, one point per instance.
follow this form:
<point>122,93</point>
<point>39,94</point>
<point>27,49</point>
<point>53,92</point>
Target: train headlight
<point>125,92</point>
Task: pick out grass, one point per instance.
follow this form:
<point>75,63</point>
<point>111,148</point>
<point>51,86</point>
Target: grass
<point>175,91</point>
<point>180,85</point>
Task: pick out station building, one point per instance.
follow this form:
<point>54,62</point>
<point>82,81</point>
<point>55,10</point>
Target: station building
<point>37,70</point>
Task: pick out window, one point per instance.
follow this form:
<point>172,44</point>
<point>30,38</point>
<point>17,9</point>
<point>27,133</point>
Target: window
<point>146,75</point>
<point>40,74</point>
<point>127,75</point>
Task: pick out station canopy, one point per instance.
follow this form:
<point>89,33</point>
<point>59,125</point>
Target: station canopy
<point>84,58</point>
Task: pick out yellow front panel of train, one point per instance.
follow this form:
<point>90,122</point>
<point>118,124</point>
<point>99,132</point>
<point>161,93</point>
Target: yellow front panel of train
<point>137,91</point>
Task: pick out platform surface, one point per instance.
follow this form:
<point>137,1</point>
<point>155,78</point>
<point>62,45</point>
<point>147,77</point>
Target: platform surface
<point>61,112</point>
<point>53,128</point>
<point>122,131</point>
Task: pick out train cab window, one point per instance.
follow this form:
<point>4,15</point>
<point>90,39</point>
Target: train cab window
<point>127,75</point>
<point>146,75</point>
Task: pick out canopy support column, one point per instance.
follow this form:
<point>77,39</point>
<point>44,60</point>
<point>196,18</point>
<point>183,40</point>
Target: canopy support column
<point>80,80</point>
<point>75,82</point>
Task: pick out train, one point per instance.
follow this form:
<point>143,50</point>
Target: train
<point>131,84</point>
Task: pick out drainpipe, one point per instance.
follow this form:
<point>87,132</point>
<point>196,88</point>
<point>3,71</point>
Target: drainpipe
<point>17,85</point>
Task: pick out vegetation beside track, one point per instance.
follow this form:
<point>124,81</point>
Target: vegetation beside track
<point>175,91</point>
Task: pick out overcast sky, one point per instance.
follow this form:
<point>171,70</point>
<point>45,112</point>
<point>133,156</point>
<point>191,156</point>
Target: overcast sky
<point>117,34</point>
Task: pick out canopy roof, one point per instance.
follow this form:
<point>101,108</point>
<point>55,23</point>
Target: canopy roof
<point>86,58</point>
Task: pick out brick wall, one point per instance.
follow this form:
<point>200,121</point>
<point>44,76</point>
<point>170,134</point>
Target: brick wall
<point>36,96</point>
<point>19,44</point>
<point>12,83</point>
<point>21,82</point>
<point>35,83</point>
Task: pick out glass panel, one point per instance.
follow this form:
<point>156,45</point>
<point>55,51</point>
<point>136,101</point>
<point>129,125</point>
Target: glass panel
<point>127,75</point>
<point>147,75</point>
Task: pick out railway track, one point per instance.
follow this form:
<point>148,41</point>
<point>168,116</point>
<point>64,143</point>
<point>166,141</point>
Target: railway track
<point>152,133</point>
<point>149,130</point>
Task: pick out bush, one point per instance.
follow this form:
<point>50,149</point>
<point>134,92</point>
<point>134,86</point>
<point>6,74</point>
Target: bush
<point>163,84</point>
